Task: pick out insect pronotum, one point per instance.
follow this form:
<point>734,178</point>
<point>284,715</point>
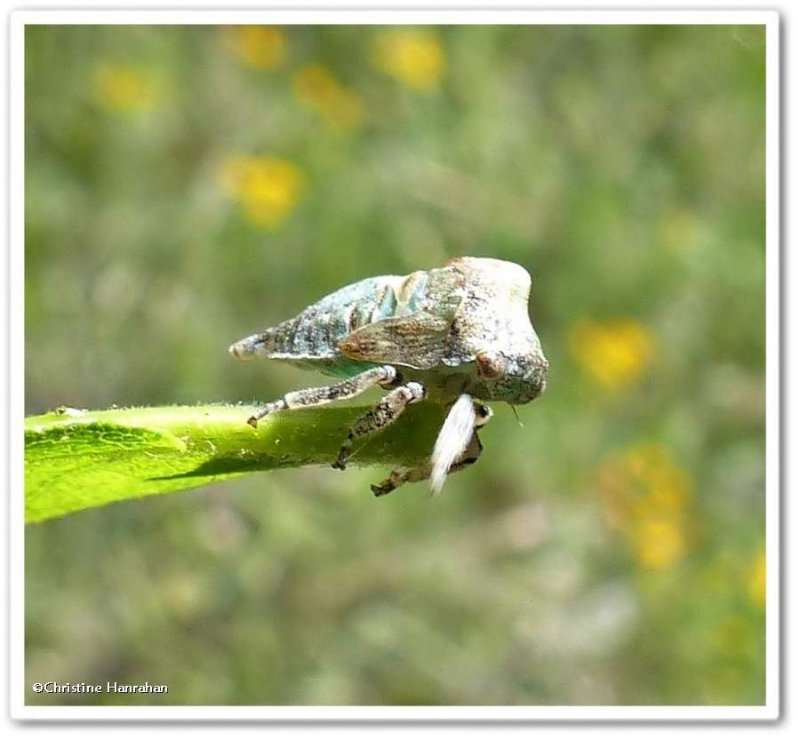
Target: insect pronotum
<point>456,335</point>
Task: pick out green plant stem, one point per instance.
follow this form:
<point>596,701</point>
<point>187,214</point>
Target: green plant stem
<point>78,460</point>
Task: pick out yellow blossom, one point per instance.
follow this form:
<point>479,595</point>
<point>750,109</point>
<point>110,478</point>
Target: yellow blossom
<point>413,56</point>
<point>613,353</point>
<point>757,580</point>
<point>267,188</point>
<point>318,88</point>
<point>124,88</point>
<point>263,47</point>
<point>646,495</point>
<point>659,542</point>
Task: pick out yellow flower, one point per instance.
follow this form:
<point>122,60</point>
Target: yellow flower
<point>318,88</point>
<point>646,495</point>
<point>263,47</point>
<point>124,88</point>
<point>613,353</point>
<point>659,542</point>
<point>413,56</point>
<point>757,580</point>
<point>267,188</point>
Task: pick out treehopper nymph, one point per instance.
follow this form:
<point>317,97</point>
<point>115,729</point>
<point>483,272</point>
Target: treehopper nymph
<point>456,335</point>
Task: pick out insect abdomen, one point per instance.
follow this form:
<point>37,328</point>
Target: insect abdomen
<point>314,334</point>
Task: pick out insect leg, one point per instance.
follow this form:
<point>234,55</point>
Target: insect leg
<point>322,395</point>
<point>423,472</point>
<point>468,457</point>
<point>386,412</point>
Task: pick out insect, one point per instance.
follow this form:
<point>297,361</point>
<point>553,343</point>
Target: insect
<point>456,335</point>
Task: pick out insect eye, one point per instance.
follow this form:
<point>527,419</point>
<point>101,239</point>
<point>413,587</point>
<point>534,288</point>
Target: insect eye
<point>489,364</point>
<point>482,415</point>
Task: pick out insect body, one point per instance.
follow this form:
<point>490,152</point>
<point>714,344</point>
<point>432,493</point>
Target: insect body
<point>451,335</point>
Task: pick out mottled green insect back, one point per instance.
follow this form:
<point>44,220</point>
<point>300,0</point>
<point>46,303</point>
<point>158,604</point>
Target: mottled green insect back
<point>452,335</point>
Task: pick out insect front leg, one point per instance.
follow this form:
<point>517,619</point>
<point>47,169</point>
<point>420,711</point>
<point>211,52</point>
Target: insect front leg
<point>384,375</point>
<point>468,457</point>
<point>386,412</point>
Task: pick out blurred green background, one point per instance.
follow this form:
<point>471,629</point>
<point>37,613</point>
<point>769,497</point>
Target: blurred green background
<point>186,186</point>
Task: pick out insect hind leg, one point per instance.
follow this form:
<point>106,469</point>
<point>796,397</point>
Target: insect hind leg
<point>468,457</point>
<point>384,375</point>
<point>386,412</point>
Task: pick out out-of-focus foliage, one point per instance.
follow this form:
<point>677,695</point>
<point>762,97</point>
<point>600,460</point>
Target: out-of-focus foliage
<point>186,186</point>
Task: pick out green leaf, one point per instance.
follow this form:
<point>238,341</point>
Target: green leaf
<point>81,459</point>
